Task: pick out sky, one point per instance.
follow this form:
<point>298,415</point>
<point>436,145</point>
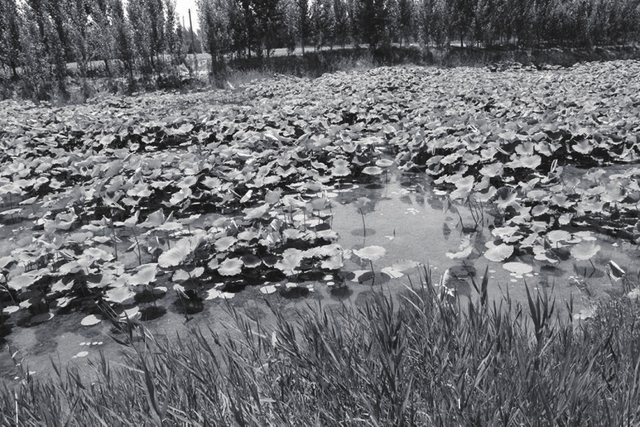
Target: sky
<point>182,8</point>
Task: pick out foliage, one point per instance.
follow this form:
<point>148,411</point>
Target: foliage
<point>418,358</point>
<point>39,38</point>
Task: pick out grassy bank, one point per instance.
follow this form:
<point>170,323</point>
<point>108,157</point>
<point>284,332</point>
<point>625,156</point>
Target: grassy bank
<point>314,64</point>
<point>417,359</point>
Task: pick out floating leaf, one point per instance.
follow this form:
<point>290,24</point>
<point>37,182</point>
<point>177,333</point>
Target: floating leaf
<point>188,181</point>
<point>558,236</point>
<point>384,163</point>
<point>180,196</point>
<point>583,147</point>
<point>119,295</point>
<point>405,265</point>
<point>340,168</point>
<point>291,259</point>
<point>518,268</point>
<point>507,234</point>
<point>132,221</point>
<point>180,276</point>
<point>258,212</point>
<point>372,170</point>
<point>146,274</point>
<point>251,261</point>
<point>98,254</point>
<point>22,281</point>
<point>371,253</point>
<point>224,243</point>
<point>90,320</point>
<point>230,267</point>
<point>59,286</point>
<point>465,249</point>
<point>246,197</point>
<point>530,162</point>
<point>584,251</point>
<point>11,309</point>
<point>492,169</point>
<point>499,253</point>
<point>269,289</point>
<point>130,314</point>
<point>215,294</point>
<point>273,196</point>
<point>506,197</point>
<point>463,187</point>
<point>392,272</point>
<point>176,255</point>
<point>155,219</point>
<point>332,263</point>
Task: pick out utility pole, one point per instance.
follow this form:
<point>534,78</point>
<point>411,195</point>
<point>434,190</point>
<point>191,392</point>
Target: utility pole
<point>193,43</point>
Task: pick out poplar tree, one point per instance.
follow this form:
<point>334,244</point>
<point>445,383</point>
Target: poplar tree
<point>10,36</point>
<point>303,21</point>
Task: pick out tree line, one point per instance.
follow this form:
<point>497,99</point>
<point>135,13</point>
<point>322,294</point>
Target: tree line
<point>246,27</point>
<point>38,38</point>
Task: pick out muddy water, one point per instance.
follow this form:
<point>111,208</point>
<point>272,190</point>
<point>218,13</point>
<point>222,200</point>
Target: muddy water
<point>402,214</point>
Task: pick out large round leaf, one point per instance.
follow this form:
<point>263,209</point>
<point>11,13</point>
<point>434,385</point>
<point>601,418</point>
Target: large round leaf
<point>370,253</point>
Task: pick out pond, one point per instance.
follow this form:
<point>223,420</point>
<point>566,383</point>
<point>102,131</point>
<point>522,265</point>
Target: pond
<point>165,208</point>
<point>410,225</point>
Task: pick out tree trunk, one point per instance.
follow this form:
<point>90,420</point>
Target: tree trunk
<point>106,67</point>
<point>14,70</point>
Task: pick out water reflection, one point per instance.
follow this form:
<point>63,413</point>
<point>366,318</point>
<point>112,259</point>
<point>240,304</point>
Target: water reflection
<point>411,222</point>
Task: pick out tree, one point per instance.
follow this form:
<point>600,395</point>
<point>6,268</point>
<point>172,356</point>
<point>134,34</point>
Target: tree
<point>434,22</point>
<point>156,26</point>
<point>173,34</point>
<point>461,13</point>
<point>236,28</point>
<point>341,21</point>
<point>50,41</point>
<point>123,37</point>
<point>303,21</point>
<point>372,21</point>
<point>323,23</point>
<point>404,19</point>
<point>77,16</point>
<point>268,23</point>
<point>289,33</point>
<point>10,36</point>
<point>147,22</point>
<point>100,32</point>
<point>214,25</point>
<point>520,20</point>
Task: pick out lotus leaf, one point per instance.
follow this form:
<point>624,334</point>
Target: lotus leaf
<point>90,320</point>
<point>119,295</point>
<point>585,251</point>
<point>370,253</point>
<point>498,253</point>
<point>230,267</point>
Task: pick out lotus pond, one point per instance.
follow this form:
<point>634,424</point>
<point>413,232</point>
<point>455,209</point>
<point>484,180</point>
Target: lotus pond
<point>161,208</point>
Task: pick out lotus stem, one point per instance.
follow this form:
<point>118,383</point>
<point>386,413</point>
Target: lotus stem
<point>139,253</point>
<point>364,228</point>
<point>594,269</point>
<point>373,273</point>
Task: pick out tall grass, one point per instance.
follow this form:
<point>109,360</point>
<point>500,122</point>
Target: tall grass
<point>418,358</point>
